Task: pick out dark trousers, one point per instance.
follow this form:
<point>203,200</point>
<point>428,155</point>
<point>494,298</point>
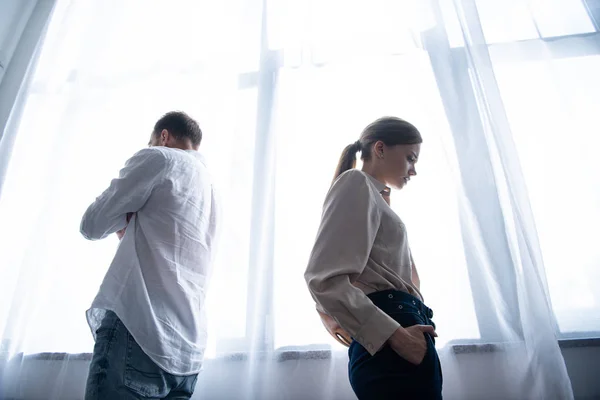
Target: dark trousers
<point>121,370</point>
<point>386,375</point>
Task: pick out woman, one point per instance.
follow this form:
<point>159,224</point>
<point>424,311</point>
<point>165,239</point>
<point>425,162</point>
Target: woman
<point>362,276</point>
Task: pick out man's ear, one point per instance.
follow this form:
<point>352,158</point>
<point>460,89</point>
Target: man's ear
<point>164,136</point>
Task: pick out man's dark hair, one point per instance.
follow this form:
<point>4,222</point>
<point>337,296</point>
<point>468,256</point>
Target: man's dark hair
<point>180,125</point>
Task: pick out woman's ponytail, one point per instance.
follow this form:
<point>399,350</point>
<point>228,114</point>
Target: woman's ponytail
<point>347,159</point>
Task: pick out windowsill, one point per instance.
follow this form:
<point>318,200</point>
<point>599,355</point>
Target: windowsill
<point>583,342</point>
<point>314,353</point>
<point>493,347</point>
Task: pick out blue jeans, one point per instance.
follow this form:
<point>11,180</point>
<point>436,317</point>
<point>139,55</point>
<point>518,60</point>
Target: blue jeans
<point>386,375</point>
<point>121,370</point>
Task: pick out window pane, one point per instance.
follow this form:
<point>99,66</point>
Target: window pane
<point>552,108</point>
<point>561,17</point>
<point>517,20</point>
<point>96,93</point>
<point>319,127</point>
<point>321,31</point>
<point>93,129</point>
<point>230,148</point>
<point>506,21</point>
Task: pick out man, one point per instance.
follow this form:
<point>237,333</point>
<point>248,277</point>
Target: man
<point>148,319</point>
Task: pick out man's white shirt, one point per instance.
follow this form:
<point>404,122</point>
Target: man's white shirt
<point>156,283</point>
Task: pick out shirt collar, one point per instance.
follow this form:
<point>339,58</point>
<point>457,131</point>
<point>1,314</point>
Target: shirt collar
<point>198,155</point>
<point>381,187</point>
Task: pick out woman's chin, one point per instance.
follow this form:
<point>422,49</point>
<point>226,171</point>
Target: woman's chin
<point>398,185</point>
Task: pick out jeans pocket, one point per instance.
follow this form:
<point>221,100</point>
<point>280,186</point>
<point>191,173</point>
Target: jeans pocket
<point>429,351</point>
<point>142,375</point>
<point>406,319</point>
<point>192,385</point>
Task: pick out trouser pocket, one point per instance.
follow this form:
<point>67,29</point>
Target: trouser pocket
<point>142,375</point>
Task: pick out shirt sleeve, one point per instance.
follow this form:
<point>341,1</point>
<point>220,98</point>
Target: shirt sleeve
<point>349,225</point>
<point>126,194</point>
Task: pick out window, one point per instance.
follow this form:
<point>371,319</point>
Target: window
<point>551,107</point>
<point>277,112</point>
<point>96,113</point>
<point>370,79</point>
<point>312,131</point>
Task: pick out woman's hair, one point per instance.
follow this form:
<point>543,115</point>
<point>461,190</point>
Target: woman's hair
<point>390,130</point>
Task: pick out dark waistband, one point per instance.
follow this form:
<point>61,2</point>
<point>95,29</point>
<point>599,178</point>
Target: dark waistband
<point>388,300</point>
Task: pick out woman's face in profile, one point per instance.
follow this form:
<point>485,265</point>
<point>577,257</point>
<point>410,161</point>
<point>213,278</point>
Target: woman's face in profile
<point>399,164</point>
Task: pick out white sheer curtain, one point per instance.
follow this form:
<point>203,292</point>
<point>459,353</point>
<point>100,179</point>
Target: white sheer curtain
<point>501,217</point>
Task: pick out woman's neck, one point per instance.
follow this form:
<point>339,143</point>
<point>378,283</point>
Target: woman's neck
<point>372,171</point>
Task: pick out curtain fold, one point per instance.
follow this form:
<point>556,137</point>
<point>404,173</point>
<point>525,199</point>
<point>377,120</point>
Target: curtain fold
<point>17,76</point>
<point>544,374</point>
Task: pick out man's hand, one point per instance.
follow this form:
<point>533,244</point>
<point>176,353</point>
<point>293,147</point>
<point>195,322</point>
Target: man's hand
<point>410,342</point>
<point>121,233</point>
<point>335,329</point>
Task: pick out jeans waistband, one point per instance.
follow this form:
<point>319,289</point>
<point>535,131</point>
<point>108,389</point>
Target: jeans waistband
<point>388,300</point>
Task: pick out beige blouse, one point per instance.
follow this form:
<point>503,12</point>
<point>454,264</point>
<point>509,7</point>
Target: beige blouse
<point>361,248</point>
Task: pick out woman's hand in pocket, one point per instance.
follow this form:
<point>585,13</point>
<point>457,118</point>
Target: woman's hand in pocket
<point>410,344</point>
